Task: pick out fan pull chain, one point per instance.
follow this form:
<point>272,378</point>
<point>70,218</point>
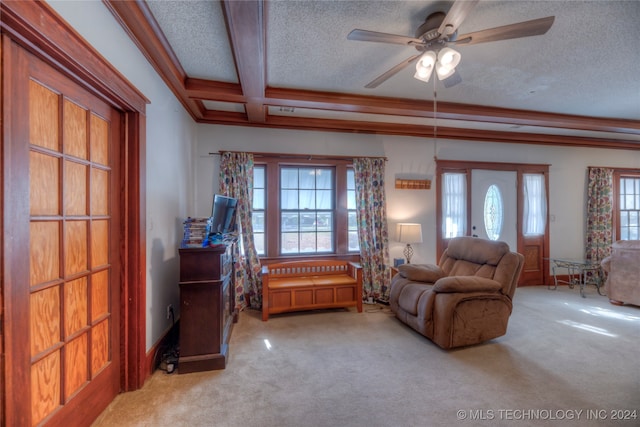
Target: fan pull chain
<point>435,119</point>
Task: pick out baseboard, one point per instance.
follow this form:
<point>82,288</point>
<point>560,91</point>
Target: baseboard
<point>168,341</point>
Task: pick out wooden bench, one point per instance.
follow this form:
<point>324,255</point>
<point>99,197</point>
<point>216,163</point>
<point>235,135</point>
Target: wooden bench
<point>308,285</point>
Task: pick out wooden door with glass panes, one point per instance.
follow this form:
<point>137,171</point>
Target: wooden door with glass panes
<point>63,338</point>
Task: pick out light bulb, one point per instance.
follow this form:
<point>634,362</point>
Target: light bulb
<point>427,60</point>
<point>447,58</point>
<point>447,61</point>
<point>425,65</point>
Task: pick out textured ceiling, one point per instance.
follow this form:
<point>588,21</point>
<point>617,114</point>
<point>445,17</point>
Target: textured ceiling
<point>586,65</point>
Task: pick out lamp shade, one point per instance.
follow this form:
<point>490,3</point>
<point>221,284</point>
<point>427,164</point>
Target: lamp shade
<point>409,232</point>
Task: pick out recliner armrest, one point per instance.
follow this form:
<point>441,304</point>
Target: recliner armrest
<point>466,284</point>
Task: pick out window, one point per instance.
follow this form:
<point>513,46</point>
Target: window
<point>535,204</point>
<point>304,207</point>
<point>454,204</point>
<point>352,227</point>
<point>306,210</point>
<point>493,213</point>
<point>629,208</point>
<point>258,207</point>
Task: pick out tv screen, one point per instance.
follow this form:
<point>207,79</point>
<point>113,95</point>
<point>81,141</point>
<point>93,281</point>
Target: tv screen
<point>223,214</point>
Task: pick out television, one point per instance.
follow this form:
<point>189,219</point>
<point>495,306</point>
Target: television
<point>223,213</point>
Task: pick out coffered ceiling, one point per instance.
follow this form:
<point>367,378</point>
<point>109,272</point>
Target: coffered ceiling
<point>288,64</point>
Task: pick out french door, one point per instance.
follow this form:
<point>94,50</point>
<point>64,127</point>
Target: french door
<point>497,204</point>
<point>494,206</point>
<point>61,247</point>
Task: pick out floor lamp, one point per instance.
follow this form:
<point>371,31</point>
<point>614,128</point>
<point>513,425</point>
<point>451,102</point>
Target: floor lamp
<point>409,233</point>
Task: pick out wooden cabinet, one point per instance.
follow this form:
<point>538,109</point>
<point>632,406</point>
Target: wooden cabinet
<point>207,313</point>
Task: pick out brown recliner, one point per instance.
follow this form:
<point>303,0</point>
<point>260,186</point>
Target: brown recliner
<point>465,299</point>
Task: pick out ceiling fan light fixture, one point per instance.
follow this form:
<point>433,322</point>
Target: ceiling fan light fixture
<point>444,72</point>
<point>421,75</point>
<point>448,59</point>
<point>424,66</point>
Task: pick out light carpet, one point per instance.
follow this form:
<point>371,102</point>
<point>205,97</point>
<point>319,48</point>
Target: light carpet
<point>565,360</point>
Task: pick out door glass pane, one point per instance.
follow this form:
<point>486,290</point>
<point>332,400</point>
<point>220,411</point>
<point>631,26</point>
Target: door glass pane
<point>493,213</point>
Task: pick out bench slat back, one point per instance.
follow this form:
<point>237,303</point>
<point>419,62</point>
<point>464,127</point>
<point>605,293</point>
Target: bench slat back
<point>308,268</point>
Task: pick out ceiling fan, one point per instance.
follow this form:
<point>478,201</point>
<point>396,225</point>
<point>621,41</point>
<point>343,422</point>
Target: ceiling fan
<point>433,39</point>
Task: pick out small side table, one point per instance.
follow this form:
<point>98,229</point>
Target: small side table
<point>581,272</point>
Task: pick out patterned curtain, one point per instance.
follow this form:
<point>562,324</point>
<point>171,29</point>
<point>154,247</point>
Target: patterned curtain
<point>371,214</point>
<point>599,214</point>
<point>236,180</point>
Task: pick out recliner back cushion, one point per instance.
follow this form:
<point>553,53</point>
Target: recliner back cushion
<point>476,250</point>
<point>470,256</point>
<point>460,267</point>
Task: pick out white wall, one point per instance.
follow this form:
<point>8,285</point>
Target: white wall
<point>171,138</point>
<point>409,155</point>
<point>214,138</point>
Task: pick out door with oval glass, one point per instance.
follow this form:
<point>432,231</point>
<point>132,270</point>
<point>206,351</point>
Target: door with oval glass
<point>494,200</point>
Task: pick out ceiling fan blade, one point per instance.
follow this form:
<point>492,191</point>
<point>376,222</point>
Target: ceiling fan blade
<point>455,16</point>
<point>534,27</point>
<point>382,78</point>
<point>373,36</point>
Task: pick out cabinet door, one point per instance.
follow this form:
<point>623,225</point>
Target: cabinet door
<point>200,318</point>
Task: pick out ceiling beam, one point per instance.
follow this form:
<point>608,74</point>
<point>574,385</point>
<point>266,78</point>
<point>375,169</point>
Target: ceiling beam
<point>413,130</point>
<point>446,110</point>
<point>228,92</point>
<point>209,90</point>
<point>478,135</point>
<point>245,25</point>
<point>138,21</point>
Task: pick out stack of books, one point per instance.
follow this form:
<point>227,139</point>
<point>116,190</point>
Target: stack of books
<point>195,232</point>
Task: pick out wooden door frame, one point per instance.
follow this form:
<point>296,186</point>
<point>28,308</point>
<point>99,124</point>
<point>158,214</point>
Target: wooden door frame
<point>37,28</point>
<point>466,167</point>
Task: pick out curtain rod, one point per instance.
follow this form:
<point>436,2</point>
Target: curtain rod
<point>300,156</point>
<point>616,168</point>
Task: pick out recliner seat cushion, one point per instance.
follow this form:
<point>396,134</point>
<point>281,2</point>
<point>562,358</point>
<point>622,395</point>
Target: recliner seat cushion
<point>410,296</point>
